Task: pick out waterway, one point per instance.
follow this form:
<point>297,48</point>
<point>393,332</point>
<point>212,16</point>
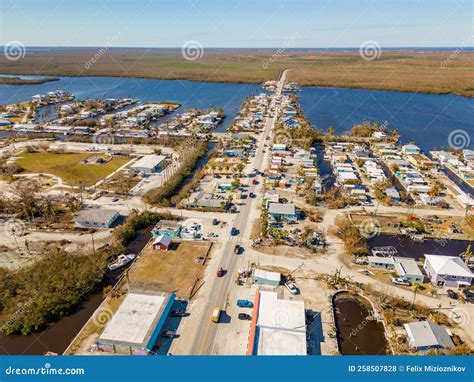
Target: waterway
<point>189,94</point>
<point>426,119</point>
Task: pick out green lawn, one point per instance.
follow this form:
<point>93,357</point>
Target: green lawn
<point>68,166</point>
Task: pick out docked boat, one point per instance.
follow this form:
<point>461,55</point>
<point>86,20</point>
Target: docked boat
<point>121,261</point>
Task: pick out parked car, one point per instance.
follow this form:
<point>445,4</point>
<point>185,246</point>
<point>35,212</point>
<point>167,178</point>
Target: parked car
<point>291,287</point>
<point>244,316</point>
<point>215,221</point>
<point>115,200</point>
<point>245,303</point>
<point>452,294</point>
<point>468,294</point>
<point>168,334</point>
<point>399,281</point>
<point>178,313</point>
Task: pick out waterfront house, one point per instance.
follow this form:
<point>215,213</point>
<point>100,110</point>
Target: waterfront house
<point>425,335</point>
<point>405,268</point>
<point>167,227</point>
<point>410,149</point>
<point>449,271</point>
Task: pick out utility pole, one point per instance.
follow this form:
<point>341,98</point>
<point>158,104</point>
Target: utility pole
<point>93,244</point>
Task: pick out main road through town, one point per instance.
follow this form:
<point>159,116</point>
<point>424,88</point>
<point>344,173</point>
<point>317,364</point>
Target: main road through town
<point>205,335</point>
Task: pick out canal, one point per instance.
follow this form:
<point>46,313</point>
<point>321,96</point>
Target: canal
<point>358,333</point>
<point>58,335</point>
<point>416,250</point>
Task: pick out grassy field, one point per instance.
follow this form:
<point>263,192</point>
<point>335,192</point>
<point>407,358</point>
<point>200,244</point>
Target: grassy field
<point>175,270</point>
<point>68,166</point>
<point>401,70</point>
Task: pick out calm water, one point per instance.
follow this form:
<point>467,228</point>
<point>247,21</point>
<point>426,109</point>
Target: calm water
<point>358,333</point>
<point>188,93</point>
<point>426,119</point>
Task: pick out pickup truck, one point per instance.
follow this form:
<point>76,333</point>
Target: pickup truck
<point>399,281</point>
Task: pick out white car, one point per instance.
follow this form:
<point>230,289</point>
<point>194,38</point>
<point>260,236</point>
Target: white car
<point>400,281</point>
<point>292,287</point>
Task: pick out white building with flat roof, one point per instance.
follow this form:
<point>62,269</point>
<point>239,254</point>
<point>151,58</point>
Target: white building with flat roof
<point>149,164</point>
<point>278,326</point>
<point>136,325</point>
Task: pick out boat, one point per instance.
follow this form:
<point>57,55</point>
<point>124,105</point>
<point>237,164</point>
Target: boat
<point>121,261</point>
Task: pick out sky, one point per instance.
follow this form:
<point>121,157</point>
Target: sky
<point>237,23</point>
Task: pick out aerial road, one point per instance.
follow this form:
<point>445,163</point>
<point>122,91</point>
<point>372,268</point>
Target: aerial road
<point>205,336</point>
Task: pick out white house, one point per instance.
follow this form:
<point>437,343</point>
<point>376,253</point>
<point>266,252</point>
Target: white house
<point>447,271</point>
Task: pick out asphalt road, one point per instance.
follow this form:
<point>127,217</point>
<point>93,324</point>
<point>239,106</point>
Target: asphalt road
<point>205,337</point>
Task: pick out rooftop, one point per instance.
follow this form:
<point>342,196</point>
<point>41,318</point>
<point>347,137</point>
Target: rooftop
<point>281,208</point>
<point>281,326</point>
<point>428,334</point>
<point>149,161</point>
<point>136,318</point>
<point>449,265</point>
<point>96,215</point>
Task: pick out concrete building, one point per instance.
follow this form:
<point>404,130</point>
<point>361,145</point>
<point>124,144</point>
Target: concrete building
<point>449,271</point>
<point>259,276</point>
<point>278,326</point>
<point>425,335</point>
<point>96,218</point>
<point>136,325</point>
<point>149,164</point>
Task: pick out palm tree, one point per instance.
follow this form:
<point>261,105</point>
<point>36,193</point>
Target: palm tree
<point>416,286</point>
